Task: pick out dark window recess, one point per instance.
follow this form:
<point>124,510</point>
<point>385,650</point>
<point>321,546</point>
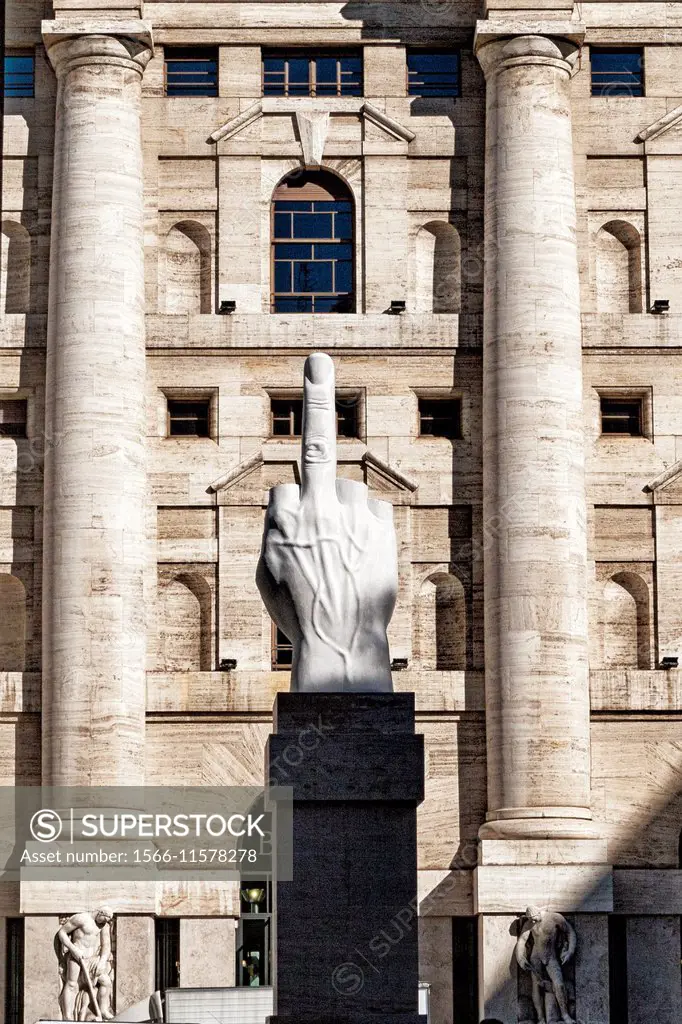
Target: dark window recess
<point>167,952</point>
<point>19,75</point>
<point>618,969</point>
<point>617,72</point>
<point>253,936</point>
<point>433,74</point>
<point>621,416</point>
<point>12,417</point>
<point>191,71</point>
<point>188,417</point>
<point>286,417</point>
<point>306,74</point>
<point>14,967</point>
<point>440,417</point>
<point>282,650</point>
<point>347,417</point>
<point>465,969</point>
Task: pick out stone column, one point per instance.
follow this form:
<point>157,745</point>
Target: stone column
<point>537,700</point>
<point>94,536</point>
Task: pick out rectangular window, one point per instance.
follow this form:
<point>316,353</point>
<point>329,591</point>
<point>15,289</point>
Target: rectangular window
<point>433,74</point>
<point>286,416</point>
<point>440,417</point>
<point>465,969</point>
<point>191,71</point>
<point>621,416</point>
<point>167,952</point>
<point>282,650</point>
<point>189,417</point>
<point>12,417</point>
<point>617,72</point>
<point>19,75</point>
<point>306,74</point>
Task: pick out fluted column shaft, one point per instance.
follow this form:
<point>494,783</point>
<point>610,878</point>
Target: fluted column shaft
<point>537,701</point>
<point>95,487</point>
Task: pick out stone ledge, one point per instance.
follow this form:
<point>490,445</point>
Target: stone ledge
<point>568,888</point>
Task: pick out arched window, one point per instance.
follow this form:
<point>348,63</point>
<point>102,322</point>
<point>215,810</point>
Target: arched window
<point>619,268</point>
<point>626,622</point>
<point>312,245</point>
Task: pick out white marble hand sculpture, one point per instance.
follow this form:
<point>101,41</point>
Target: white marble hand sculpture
<point>328,571</point>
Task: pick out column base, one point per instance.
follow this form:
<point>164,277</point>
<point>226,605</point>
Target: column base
<point>539,823</point>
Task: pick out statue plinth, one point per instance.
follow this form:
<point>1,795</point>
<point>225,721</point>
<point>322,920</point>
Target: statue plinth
<point>346,927</point>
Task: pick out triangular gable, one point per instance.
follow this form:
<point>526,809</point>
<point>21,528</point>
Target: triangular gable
<point>249,475</point>
<point>286,105</point>
<point>672,119</point>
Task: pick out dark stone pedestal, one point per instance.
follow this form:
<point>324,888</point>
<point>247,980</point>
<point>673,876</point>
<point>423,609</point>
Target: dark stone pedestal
<point>346,926</point>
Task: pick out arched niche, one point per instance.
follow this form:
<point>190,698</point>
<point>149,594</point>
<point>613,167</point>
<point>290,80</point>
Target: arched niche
<point>187,268</point>
<point>619,268</point>
<point>441,623</point>
<point>438,268</point>
<point>626,622</point>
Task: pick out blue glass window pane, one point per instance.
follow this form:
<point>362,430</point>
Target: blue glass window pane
<point>617,73</point>
<point>285,204</point>
<point>293,252</point>
<point>191,73</point>
<point>343,226</point>
<point>282,225</point>
<point>313,277</point>
<point>24,64</point>
<point>324,304</point>
<point>19,76</point>
<point>299,69</point>
<point>324,207</point>
<point>313,225</point>
<point>325,70</point>
<point>333,251</point>
<point>344,276</point>
<point>300,305</point>
<point>282,277</point>
<point>273,64</point>
<point>433,74</point>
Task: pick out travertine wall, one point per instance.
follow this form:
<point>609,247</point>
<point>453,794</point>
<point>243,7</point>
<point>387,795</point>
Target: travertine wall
<point>416,170</point>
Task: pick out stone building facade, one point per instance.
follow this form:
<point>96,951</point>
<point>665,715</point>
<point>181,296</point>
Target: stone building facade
<point>523,414</point>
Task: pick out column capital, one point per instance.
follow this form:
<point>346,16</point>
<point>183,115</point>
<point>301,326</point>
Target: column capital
<point>507,43</point>
<point>77,42</point>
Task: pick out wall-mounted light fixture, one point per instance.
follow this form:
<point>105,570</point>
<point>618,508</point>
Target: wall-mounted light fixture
<point>228,306</point>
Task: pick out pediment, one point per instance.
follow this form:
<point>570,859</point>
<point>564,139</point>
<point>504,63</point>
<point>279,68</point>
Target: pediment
<point>249,482</point>
<point>671,122</point>
<point>313,120</point>
<point>667,486</point>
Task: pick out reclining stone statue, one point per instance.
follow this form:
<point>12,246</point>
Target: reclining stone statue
<point>328,571</point>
